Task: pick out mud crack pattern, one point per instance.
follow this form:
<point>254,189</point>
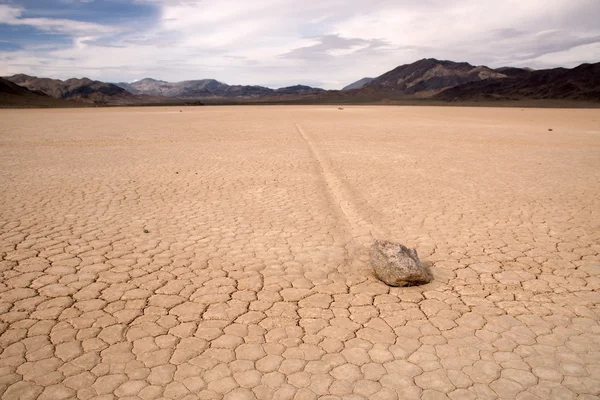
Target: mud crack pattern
<point>219,253</point>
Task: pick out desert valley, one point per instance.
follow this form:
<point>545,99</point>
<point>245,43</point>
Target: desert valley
<point>222,252</point>
<point>279,200</point>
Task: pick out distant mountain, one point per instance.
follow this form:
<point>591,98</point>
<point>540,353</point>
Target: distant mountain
<point>513,71</point>
<point>358,84</point>
<point>424,79</point>
<point>209,88</point>
<point>124,85</point>
<point>579,83</point>
<point>85,90</point>
<point>13,95</point>
<point>298,89</point>
<point>153,87</point>
<point>429,76</point>
<point>10,88</point>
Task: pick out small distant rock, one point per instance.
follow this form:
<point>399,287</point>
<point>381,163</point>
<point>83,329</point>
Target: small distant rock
<point>550,129</point>
<point>146,231</point>
<point>397,265</point>
<point>340,108</point>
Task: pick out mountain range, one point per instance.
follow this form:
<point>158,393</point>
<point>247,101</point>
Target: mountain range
<point>579,83</point>
<point>209,88</point>
<point>429,78</point>
<point>13,94</point>
<point>84,90</point>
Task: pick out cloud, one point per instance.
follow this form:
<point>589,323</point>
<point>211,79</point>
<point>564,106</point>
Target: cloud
<point>334,46</point>
<point>10,15</point>
<point>281,42</point>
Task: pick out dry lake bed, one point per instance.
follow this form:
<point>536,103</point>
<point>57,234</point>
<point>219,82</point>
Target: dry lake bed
<point>222,252</point>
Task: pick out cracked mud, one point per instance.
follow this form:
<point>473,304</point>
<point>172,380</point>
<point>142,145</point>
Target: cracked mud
<point>222,253</point>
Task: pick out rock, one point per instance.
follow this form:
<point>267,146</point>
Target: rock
<point>397,265</point>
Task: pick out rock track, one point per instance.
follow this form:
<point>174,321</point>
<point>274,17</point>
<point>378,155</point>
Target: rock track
<point>362,229</point>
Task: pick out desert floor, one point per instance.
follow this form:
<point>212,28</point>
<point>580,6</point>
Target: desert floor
<point>222,252</point>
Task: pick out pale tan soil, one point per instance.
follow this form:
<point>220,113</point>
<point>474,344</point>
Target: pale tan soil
<point>253,279</point>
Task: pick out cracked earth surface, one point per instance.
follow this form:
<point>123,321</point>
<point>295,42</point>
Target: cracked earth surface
<point>221,253</point>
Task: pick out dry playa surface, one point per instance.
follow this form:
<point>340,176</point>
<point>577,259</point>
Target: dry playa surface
<point>222,253</point>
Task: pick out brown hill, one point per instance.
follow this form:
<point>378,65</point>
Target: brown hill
<point>513,71</point>
<point>13,95</point>
<point>580,83</point>
<point>84,90</point>
<point>428,76</point>
<point>359,84</point>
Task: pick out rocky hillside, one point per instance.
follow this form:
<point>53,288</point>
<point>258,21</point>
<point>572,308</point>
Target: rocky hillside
<point>429,76</point>
<point>85,90</point>
<point>359,84</point>
<point>580,83</point>
<point>13,95</point>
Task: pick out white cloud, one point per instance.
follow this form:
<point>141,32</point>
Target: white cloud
<point>10,15</point>
<point>325,42</point>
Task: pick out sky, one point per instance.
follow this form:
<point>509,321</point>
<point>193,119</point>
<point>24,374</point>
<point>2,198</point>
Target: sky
<point>275,43</point>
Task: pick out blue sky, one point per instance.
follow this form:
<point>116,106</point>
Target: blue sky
<point>327,43</point>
